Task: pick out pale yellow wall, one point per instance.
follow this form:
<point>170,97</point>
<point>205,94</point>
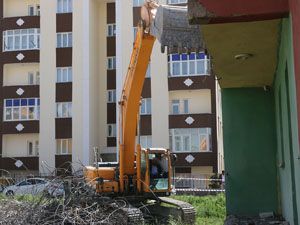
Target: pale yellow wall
<point>15,145</point>
<point>47,84</point>
<point>201,170</point>
<point>14,8</point>
<point>102,79</point>
<point>17,74</point>
<point>124,40</point>
<point>199,100</point>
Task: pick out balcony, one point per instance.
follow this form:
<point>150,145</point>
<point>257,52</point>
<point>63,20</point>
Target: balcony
<point>21,91</point>
<point>30,163</point>
<point>20,127</point>
<point>191,82</point>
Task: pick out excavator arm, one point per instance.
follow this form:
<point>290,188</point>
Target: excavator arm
<point>130,101</point>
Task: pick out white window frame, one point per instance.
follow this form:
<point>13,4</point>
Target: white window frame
<point>64,6</point>
<point>111,96</point>
<point>184,110</point>
<point>38,10</point>
<point>59,146</point>
<point>20,108</point>
<point>148,72</point>
<point>35,76</point>
<point>175,2</point>
<point>145,141</point>
<point>175,103</point>
<point>60,106</point>
<point>60,43</point>
<point>35,148</point>
<point>113,129</point>
<point>146,106</point>
<point>21,39</point>
<point>180,137</point>
<point>188,65</point>
<point>111,63</point>
<point>111,30</point>
<point>31,7</point>
<point>64,74</point>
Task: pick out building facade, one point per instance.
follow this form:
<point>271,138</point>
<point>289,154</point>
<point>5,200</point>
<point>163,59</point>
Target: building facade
<point>257,60</point>
<point>62,68</point>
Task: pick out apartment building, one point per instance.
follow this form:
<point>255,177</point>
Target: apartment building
<point>62,68</point>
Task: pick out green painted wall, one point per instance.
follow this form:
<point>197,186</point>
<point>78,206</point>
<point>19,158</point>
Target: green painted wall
<point>287,130</point>
<point>250,150</point>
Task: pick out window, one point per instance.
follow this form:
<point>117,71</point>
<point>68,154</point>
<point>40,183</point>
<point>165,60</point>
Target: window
<point>64,40</point>
<point>64,74</point>
<point>111,130</point>
<point>185,106</point>
<point>34,78</point>
<point>111,30</point>
<point>191,140</point>
<point>22,39</point>
<point>38,10</point>
<point>33,148</point>
<point>148,73</point>
<point>111,63</point>
<point>187,65</point>
<point>64,109</point>
<point>63,146</point>
<point>175,106</point>
<point>111,96</point>
<point>21,109</point>
<point>64,6</point>
<point>30,10</point>
<point>174,2</point>
<point>145,106</point>
<point>145,141</point>
<point>137,3</point>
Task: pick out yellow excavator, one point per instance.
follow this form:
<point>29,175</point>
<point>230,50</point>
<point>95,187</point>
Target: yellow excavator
<point>143,176</point>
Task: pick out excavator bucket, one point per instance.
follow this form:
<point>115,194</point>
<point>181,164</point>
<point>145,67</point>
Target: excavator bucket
<point>171,27</point>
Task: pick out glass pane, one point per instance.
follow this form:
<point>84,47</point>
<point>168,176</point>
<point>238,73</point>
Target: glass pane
<point>17,42</point>
<point>31,113</point>
<point>16,113</point>
<point>16,102</point>
<point>143,107</point>
<point>184,67</point>
<point>178,143</point>
<point>200,67</point>
<point>203,143</point>
<point>58,75</point>
<point>70,78</point>
<point>192,67</point>
<point>148,102</point>
<point>59,110</point>
<point>70,109</point>
<point>8,102</point>
<point>186,143</point>
<point>176,69</point>
<point>70,146</point>
<point>64,146</point>
<point>31,101</point>
<point>31,42</point>
<point>65,5</point>
<point>24,42</point>
<point>23,113</point>
<point>30,148</point>
<point>70,9</point>
<point>186,106</point>
<point>23,102</point>
<point>70,37</point>
<point>64,110</point>
<point>10,41</point>
<point>59,42</point>
<point>58,147</point>
<point>8,114</point>
<point>65,75</point>
<point>65,40</point>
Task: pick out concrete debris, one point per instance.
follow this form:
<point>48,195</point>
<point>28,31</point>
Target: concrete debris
<point>267,219</point>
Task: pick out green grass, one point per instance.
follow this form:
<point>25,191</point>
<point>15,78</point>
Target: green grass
<point>210,210</point>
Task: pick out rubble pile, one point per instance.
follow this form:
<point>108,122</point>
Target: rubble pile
<point>77,206</point>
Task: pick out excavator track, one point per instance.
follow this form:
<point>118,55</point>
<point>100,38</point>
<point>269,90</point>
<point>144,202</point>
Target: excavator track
<point>134,216</point>
<point>188,212</point>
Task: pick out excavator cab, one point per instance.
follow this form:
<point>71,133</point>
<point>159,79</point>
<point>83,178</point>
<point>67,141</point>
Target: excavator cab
<point>156,170</point>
